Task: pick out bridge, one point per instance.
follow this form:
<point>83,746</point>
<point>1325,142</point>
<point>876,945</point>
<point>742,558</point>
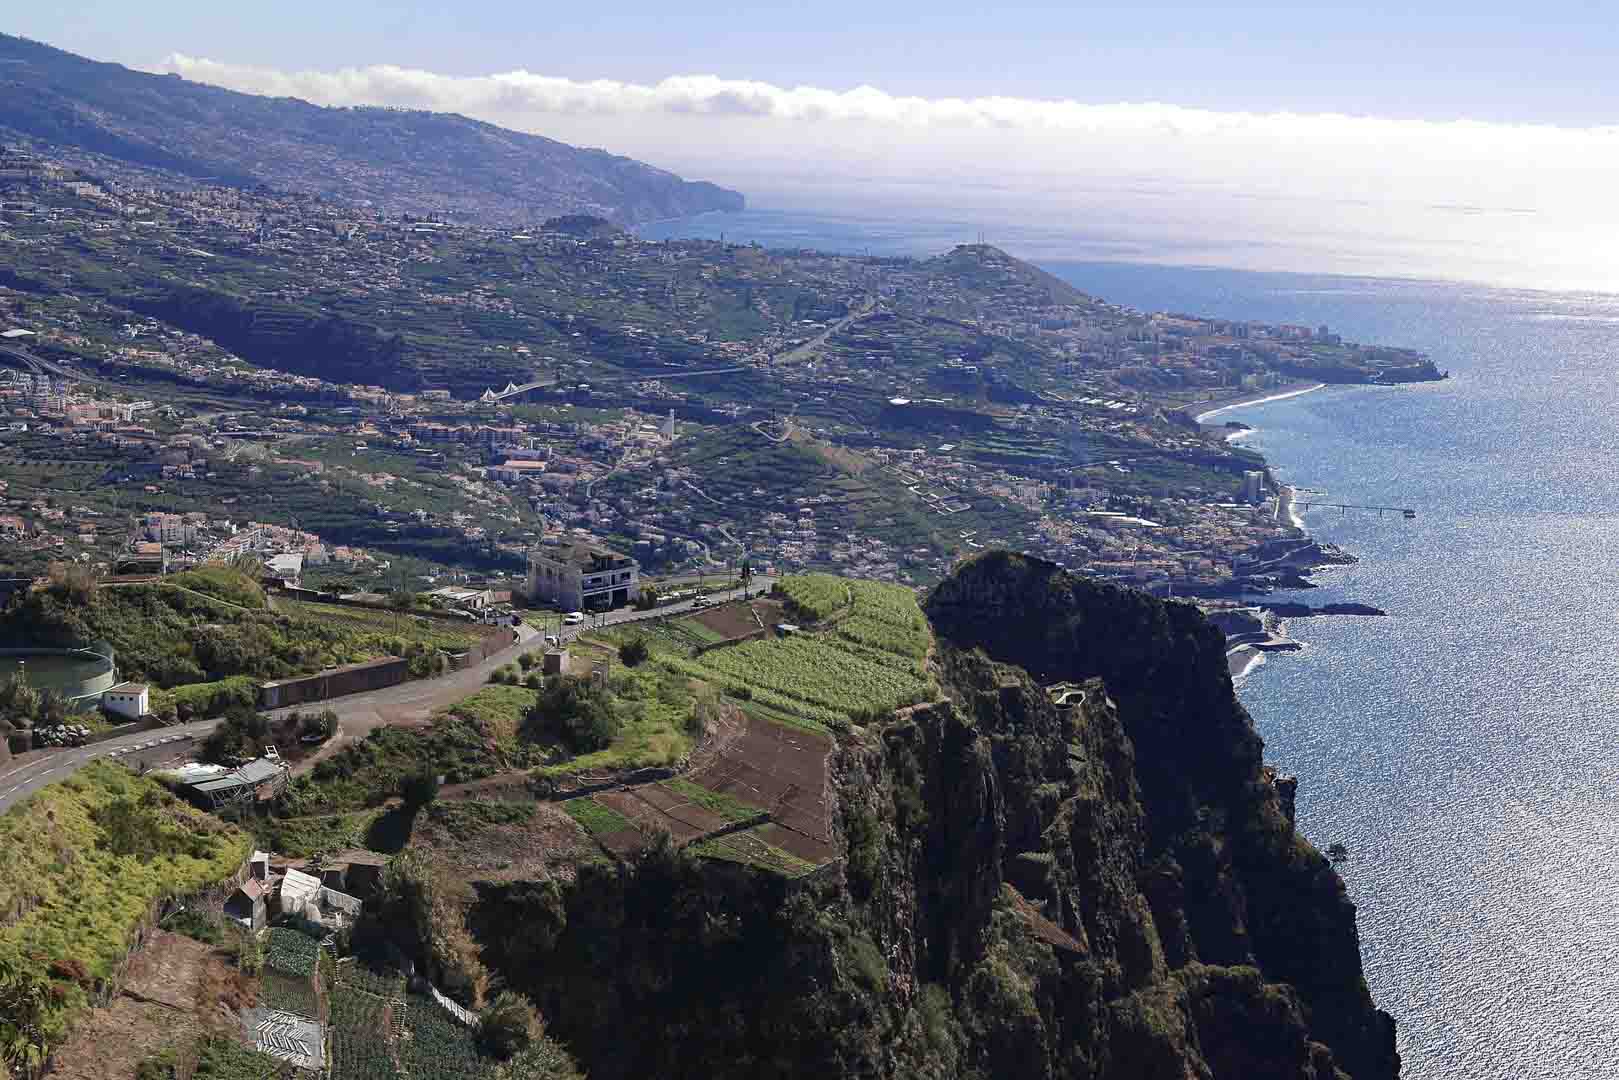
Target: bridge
<point>37,366</point>
<point>514,390</point>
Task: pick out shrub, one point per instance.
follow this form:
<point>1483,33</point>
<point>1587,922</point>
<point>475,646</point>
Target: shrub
<point>576,713</point>
<point>527,661</point>
<point>418,789</point>
<point>508,1024</point>
<point>634,652</point>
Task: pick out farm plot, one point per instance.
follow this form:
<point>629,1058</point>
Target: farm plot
<point>751,849</point>
<point>809,676</point>
<point>359,1026</point>
<point>286,993</point>
<point>436,1046</point>
<point>816,596</point>
<point>291,952</point>
<point>781,770</point>
<point>653,806</point>
<point>726,621</point>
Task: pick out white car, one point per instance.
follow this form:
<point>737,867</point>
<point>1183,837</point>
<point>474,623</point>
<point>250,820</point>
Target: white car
<point>573,618</point>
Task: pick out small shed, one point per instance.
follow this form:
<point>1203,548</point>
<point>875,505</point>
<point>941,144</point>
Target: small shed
<point>248,905</point>
<point>555,662</point>
<point>299,893</point>
<point>127,699</point>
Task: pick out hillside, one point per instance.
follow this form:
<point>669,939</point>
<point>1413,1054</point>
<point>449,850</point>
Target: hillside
<point>173,131</point>
<point>1111,888</point>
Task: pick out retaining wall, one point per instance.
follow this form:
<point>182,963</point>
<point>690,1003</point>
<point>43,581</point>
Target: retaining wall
<point>373,675</point>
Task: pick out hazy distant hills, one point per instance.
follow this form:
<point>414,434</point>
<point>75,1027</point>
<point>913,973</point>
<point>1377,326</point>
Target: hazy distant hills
<point>436,164</point>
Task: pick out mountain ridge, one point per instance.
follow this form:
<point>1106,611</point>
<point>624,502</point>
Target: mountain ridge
<point>181,133</point>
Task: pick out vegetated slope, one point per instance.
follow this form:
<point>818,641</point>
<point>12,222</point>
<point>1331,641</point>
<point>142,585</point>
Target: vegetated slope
<point>1113,890</point>
<point>85,859</point>
<point>400,161</point>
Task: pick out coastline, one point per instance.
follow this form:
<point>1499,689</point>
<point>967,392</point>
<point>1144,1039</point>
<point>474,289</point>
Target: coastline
<point>1257,397</point>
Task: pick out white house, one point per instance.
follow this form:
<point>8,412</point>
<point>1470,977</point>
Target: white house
<point>127,699</point>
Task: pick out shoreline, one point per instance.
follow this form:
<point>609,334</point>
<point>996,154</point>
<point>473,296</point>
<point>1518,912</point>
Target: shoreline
<point>1258,397</point>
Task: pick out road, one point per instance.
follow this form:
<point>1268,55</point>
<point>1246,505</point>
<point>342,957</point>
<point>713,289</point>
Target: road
<point>357,714</point>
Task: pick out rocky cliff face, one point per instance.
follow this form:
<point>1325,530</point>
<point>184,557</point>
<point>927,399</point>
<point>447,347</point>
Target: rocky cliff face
<point>1110,888</point>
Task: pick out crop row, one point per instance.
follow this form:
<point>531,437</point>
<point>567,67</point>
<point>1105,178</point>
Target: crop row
<point>887,602</point>
<point>438,1046</point>
<point>357,976</point>
<point>883,635</point>
<point>293,994</point>
<point>818,596</point>
<point>359,1045</point>
<point>814,671</point>
<point>291,952</point>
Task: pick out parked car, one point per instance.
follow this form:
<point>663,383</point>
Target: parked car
<point>573,618</point>
<point>551,640</point>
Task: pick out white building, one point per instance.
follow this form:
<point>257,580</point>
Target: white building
<point>470,599</point>
<point>288,568</point>
<point>127,699</point>
<point>580,577</point>
<point>1253,486</point>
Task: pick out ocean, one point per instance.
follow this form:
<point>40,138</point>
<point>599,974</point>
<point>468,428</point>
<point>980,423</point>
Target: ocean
<point>1465,748</point>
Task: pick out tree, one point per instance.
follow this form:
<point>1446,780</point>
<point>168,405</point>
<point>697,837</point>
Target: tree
<point>23,1000</point>
<point>634,652</point>
<point>419,789</point>
<point>507,1025</point>
<point>576,713</point>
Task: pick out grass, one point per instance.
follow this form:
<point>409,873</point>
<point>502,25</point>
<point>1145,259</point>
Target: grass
<point>366,774</point>
<point>414,629</point>
<point>86,857</point>
<point>221,583</point>
<point>654,706</point>
<point>499,710</point>
<point>464,820</point>
<point>747,849</point>
<point>207,699</point>
<point>304,836</point>
<point>726,806</point>
<point>596,819</point>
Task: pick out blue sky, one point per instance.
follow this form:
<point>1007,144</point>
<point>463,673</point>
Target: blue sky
<point>1550,62</point>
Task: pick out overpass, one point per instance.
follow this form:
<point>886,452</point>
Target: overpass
<point>514,390</point>
<point>37,366</point>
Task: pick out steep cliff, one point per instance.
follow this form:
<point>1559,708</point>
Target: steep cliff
<point>1108,889</point>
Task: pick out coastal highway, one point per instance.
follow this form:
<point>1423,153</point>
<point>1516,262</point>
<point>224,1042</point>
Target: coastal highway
<point>357,714</point>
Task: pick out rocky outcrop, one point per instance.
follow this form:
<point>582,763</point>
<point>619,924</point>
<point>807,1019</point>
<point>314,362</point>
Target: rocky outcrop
<point>1109,888</point>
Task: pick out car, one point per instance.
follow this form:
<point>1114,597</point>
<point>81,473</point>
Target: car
<point>701,601</point>
<point>573,618</point>
<point>551,640</point>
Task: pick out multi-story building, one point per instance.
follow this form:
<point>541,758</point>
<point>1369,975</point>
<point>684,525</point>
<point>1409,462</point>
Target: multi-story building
<point>580,577</point>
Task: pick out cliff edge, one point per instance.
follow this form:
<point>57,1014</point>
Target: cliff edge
<point>1098,883</point>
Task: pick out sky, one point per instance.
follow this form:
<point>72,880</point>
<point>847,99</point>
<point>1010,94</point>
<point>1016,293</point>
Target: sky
<point>1473,140</point>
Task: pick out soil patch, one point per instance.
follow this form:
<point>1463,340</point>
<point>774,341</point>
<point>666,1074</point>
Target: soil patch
<point>729,620</point>
<point>176,986</point>
<point>781,769</point>
<point>546,845</point>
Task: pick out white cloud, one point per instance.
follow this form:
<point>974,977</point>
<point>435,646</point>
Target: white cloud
<point>1385,193</point>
